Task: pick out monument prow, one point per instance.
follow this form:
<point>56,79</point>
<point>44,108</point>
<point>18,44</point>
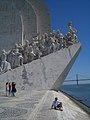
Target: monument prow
<point>48,72</point>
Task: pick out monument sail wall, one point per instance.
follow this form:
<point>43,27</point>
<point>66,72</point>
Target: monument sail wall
<point>20,20</point>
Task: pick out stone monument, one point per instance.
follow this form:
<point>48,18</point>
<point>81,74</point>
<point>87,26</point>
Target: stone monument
<point>47,56</point>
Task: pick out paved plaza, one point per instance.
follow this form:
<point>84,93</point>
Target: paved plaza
<point>35,105</point>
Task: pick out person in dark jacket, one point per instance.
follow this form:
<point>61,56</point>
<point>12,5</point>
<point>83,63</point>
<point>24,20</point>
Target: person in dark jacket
<point>7,88</point>
<point>13,88</point>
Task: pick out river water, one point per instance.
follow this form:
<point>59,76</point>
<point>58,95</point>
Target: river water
<point>80,92</point>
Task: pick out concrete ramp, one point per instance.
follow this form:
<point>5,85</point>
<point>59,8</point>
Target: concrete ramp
<point>46,73</point>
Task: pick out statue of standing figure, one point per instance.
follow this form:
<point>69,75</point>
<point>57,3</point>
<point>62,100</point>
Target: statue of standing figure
<point>18,59</point>
<point>5,66</point>
<point>25,52</point>
<point>10,58</point>
<point>70,29</point>
<point>72,32</point>
<point>3,55</point>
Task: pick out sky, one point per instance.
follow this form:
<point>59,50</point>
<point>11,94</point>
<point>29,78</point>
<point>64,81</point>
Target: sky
<point>77,11</point>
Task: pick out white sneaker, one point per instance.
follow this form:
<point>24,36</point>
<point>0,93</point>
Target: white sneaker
<point>61,109</point>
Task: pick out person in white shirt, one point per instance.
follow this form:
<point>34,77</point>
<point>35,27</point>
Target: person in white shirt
<point>57,105</point>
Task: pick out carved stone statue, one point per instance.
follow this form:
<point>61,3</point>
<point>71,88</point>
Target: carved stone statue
<point>3,55</point>
<point>5,66</point>
<point>40,46</point>
<point>18,59</point>
<point>10,58</point>
<point>37,51</point>
<point>72,32</point>
<point>0,69</point>
<point>31,53</point>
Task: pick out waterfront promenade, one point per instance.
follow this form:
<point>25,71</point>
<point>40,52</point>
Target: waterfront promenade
<point>35,105</point>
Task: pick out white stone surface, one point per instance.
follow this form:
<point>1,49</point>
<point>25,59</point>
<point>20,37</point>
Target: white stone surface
<point>28,19</point>
<point>45,73</point>
<point>10,25</point>
<point>21,20</point>
<point>43,18</point>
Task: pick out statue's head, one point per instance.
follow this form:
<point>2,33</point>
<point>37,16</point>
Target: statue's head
<point>70,23</point>
<point>46,35</point>
<point>3,51</point>
<point>16,45</point>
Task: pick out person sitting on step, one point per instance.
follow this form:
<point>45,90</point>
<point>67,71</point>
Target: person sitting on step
<point>57,105</point>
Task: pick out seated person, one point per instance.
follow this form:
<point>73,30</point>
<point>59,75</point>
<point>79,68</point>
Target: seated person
<point>57,105</point>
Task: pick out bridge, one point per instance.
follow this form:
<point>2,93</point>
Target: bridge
<point>77,79</point>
